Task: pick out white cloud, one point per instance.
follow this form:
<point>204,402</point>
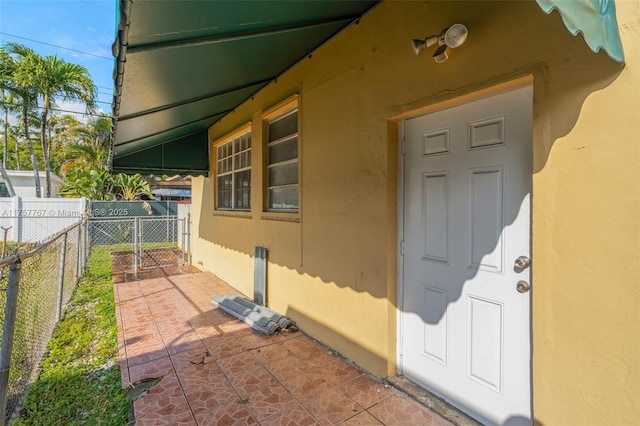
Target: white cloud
<point>75,109</point>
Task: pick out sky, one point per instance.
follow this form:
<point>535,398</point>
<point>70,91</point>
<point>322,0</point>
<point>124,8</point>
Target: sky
<point>79,32</point>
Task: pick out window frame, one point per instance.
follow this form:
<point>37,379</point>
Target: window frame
<point>281,114</point>
<point>235,155</point>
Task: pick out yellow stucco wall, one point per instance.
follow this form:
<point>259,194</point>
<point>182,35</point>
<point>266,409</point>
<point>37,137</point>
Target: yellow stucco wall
<point>586,246</point>
<point>333,266</point>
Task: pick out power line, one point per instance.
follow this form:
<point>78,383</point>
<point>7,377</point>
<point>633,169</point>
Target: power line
<point>59,109</point>
<point>98,5</point>
<point>56,46</point>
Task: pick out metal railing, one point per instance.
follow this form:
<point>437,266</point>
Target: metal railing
<point>35,288</point>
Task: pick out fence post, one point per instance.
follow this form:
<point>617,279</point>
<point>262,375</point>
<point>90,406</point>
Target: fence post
<point>78,251</point>
<point>188,238</point>
<point>7,336</point>
<point>17,219</point>
<point>134,258</point>
<point>61,277</point>
<point>87,241</point>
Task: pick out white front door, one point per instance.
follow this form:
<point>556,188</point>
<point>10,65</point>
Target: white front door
<point>464,325</point>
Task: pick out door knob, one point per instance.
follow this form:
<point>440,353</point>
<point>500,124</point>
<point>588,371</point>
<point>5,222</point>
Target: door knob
<point>522,262</point>
<point>523,286</point>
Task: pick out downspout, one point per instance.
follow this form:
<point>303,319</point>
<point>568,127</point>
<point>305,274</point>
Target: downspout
<point>119,51</point>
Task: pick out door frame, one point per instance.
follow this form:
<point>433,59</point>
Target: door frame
<point>461,99</point>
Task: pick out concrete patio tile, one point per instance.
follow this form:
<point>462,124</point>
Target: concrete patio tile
<point>164,404</point>
<point>251,379</point>
<point>267,354</point>
<point>205,399</point>
<point>196,370</point>
<point>217,370</point>
<point>286,367</point>
<point>338,371</point>
<point>223,346</point>
<point>361,419</point>
<point>158,367</point>
<point>237,363</point>
<point>296,416</point>
<point>312,353</point>
<point>400,411</point>
<point>183,342</point>
<point>255,340</point>
<point>305,386</point>
<point>268,401</point>
<point>332,407</point>
<point>232,414</point>
<point>366,391</point>
<point>144,348</point>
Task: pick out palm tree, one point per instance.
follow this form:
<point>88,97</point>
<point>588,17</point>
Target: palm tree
<point>55,78</point>
<point>18,65</point>
<point>8,105</point>
<point>90,146</point>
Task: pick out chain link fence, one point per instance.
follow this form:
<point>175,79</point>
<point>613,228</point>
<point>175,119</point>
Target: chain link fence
<point>38,277</point>
<point>35,287</point>
<point>141,242</point>
<point>140,234</point>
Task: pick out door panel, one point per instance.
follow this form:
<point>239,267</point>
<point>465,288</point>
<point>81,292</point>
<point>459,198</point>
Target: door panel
<point>466,215</point>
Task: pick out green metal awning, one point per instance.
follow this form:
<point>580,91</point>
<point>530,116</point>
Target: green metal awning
<point>594,19</point>
<point>183,65</point>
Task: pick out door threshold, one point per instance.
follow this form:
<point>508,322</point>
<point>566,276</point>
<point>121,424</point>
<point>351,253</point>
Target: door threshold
<point>431,401</point>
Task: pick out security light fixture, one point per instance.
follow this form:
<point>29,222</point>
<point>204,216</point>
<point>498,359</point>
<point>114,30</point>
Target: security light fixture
<point>452,37</point>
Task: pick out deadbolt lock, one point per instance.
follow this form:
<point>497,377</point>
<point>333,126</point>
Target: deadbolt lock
<point>523,286</point>
<point>522,262</point>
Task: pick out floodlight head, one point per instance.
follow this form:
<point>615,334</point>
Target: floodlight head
<point>419,45</point>
<point>454,36</point>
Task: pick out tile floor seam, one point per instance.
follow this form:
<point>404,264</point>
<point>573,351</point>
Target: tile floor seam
<point>155,322</point>
<point>278,382</point>
<point>124,340</point>
<point>173,366</point>
<point>241,399</point>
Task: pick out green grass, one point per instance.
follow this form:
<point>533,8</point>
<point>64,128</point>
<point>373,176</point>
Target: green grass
<point>80,380</point>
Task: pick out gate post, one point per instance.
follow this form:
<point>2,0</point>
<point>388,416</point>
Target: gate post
<point>78,251</point>
<point>135,246</point>
<point>7,336</point>
<point>188,228</point>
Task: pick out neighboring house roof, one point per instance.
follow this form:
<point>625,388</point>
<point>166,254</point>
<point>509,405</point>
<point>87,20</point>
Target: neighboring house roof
<point>171,192</point>
<point>29,174</point>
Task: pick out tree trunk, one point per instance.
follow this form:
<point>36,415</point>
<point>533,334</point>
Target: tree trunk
<point>7,181</point>
<point>34,160</point>
<point>6,138</point>
<point>45,151</point>
<point>17,155</point>
<point>3,166</point>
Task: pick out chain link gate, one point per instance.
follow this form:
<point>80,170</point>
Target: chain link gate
<point>140,234</point>
<point>141,242</point>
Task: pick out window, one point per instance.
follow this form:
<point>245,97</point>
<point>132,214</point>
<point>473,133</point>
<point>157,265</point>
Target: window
<point>233,170</point>
<point>282,163</point>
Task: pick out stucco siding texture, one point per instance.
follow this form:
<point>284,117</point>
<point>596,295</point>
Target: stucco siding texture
<point>333,266</point>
